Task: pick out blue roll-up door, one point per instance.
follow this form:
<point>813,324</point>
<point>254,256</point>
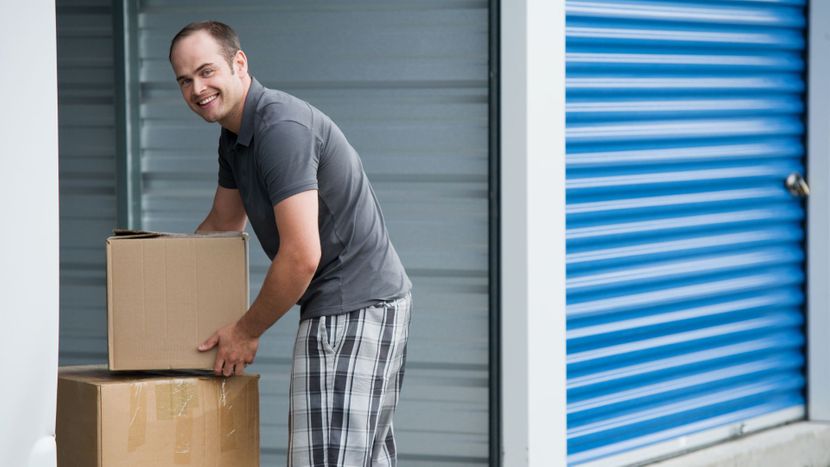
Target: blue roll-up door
<point>685,249</point>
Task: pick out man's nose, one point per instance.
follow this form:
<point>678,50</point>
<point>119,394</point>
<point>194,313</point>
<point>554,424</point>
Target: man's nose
<point>198,86</point>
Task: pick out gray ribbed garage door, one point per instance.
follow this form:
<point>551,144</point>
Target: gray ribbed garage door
<point>407,82</point>
<point>86,117</point>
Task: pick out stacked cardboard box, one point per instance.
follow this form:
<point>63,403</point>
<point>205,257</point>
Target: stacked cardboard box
<point>142,419</point>
<point>166,293</point>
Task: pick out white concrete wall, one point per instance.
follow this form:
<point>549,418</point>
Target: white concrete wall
<point>29,233</point>
<point>533,233</point>
<point>818,214</point>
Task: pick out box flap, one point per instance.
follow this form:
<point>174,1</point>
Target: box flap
<point>118,234</point>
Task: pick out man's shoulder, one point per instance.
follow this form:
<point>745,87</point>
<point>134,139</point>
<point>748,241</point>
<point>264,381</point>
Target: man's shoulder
<point>281,118</point>
<point>281,114</point>
<point>276,106</point>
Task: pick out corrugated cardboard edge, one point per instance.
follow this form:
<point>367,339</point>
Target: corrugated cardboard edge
<point>99,415</point>
<point>257,422</point>
<point>110,347</point>
<point>247,274</point>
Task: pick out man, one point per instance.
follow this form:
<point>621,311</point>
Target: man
<point>287,168</point>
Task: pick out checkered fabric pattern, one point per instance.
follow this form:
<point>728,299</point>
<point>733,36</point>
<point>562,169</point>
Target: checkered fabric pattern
<point>345,384</point>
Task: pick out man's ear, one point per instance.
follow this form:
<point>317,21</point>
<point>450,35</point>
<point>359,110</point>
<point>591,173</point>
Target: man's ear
<point>240,62</point>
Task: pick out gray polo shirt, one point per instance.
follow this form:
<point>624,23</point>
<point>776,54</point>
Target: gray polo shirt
<point>284,147</point>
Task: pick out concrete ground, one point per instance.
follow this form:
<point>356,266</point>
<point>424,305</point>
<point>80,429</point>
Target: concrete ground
<point>802,444</point>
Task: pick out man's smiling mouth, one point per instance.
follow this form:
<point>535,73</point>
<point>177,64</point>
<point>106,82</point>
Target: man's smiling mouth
<point>207,100</point>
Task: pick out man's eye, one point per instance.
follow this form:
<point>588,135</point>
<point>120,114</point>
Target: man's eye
<point>207,72</point>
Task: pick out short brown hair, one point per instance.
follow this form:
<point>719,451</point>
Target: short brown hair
<point>223,34</point>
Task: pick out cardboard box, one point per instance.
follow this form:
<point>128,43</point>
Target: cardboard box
<point>167,293</point>
<point>116,419</point>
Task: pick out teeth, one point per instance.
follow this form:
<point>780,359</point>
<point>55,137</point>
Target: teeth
<point>208,99</point>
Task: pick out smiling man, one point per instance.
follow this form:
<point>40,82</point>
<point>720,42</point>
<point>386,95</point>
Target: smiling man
<point>287,168</point>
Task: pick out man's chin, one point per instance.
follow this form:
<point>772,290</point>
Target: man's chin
<point>208,118</point>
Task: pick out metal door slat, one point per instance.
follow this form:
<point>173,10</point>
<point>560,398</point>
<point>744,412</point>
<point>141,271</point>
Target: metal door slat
<point>86,114</point>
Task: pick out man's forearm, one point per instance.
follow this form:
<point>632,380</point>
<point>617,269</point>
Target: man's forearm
<point>206,226</point>
<point>284,284</point>
<point>217,223</point>
<point>209,224</point>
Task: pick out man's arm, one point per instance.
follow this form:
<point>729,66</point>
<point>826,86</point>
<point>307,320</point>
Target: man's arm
<point>287,279</point>
<point>227,213</point>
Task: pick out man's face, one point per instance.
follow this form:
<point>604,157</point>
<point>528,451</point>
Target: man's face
<point>209,86</point>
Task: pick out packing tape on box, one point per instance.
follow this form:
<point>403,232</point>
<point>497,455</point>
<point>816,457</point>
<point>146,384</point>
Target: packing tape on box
<point>175,401</point>
<point>227,424</point>
<point>137,429</point>
<point>184,435</point>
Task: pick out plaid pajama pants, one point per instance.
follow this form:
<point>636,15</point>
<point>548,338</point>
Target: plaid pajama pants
<point>345,384</point>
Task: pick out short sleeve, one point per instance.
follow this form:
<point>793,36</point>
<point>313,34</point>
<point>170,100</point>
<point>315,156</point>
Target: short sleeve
<point>287,158</point>
<point>226,178</point>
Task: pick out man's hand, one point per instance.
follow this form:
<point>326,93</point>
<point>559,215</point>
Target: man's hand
<point>236,350</point>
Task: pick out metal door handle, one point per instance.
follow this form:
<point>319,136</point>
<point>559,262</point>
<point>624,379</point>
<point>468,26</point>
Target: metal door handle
<point>797,186</point>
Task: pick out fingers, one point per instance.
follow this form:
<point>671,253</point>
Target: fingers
<point>226,368</point>
<point>209,343</point>
<point>232,356</point>
<point>229,368</point>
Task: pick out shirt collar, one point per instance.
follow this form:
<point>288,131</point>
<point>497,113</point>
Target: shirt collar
<point>246,129</point>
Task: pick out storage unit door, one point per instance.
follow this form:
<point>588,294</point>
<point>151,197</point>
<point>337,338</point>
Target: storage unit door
<point>86,118</point>
<point>684,247</point>
<point>407,83</point>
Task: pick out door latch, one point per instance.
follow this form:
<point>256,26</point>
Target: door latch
<point>797,186</point>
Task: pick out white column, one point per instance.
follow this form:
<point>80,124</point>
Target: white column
<point>29,233</point>
<point>533,232</point>
<point>818,214</point>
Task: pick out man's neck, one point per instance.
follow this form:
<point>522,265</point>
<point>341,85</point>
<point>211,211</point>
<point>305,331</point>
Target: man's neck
<point>233,122</point>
